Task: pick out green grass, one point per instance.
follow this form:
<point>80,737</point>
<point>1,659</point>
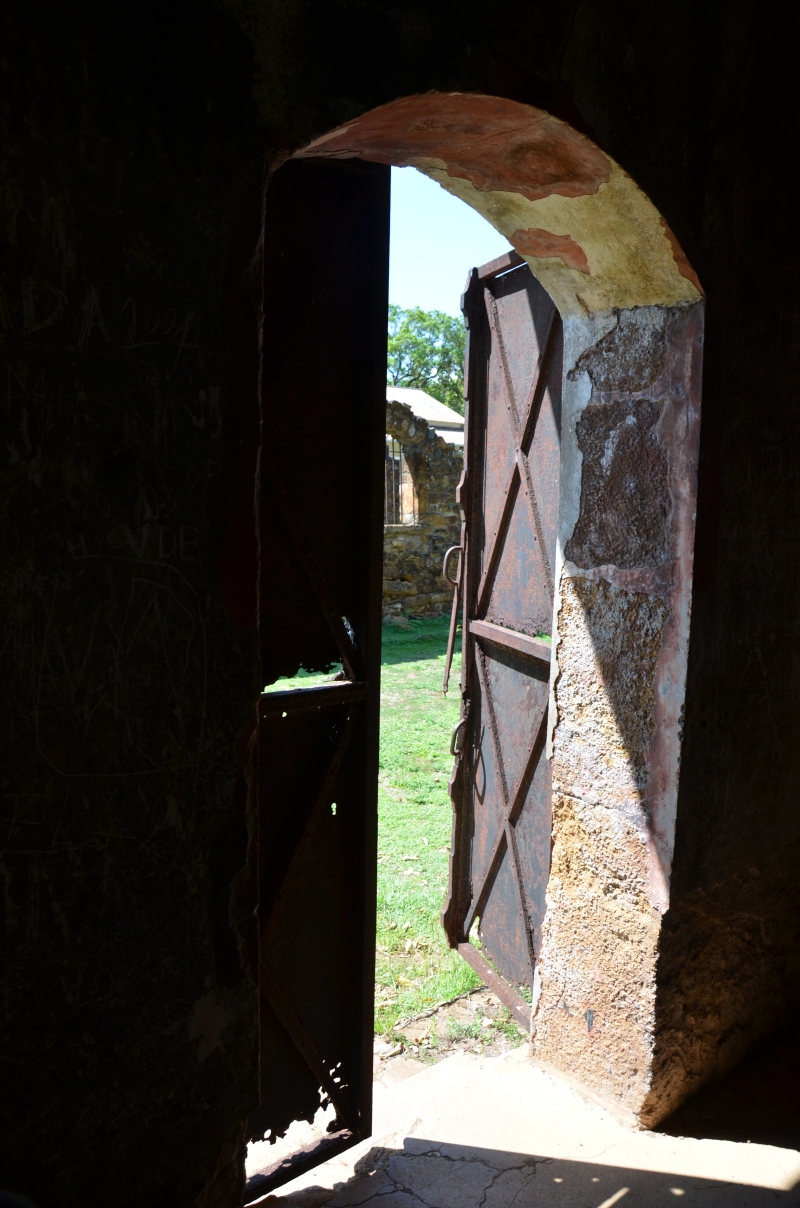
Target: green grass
<point>415,968</point>
<point>303,679</point>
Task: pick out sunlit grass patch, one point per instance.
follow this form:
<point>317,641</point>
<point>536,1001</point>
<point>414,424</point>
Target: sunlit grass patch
<point>415,969</point>
<point>303,679</point>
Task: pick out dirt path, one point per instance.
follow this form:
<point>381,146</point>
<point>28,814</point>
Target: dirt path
<point>475,1023</point>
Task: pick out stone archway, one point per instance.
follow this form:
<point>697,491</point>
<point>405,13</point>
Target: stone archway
<point>633,331</point>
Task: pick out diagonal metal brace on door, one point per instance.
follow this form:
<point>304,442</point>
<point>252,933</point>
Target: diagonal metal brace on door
<point>513,803</point>
<point>521,436</point>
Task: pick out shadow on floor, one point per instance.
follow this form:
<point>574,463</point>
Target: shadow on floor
<point>429,1174</point>
<point>758,1101</point>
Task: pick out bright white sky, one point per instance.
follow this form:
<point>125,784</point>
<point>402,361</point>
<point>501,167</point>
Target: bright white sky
<point>435,240</point>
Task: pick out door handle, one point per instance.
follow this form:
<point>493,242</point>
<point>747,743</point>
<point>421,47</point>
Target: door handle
<point>445,575</point>
<point>456,584</point>
<point>454,751</point>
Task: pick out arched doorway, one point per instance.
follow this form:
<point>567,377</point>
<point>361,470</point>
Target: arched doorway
<point>632,317</point>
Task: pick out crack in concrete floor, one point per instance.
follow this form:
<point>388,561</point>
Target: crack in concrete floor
<point>502,1133</point>
<point>427,1176</point>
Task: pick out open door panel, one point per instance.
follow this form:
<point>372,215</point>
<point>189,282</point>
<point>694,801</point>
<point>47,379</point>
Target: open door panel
<point>320,518</point>
<point>500,786</point>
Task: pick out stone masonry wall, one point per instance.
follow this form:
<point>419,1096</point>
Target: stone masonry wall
<point>413,553</point>
<point>620,651</point>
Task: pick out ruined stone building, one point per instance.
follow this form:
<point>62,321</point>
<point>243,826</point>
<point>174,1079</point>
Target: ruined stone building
<point>422,519</point>
<point>193,327</point>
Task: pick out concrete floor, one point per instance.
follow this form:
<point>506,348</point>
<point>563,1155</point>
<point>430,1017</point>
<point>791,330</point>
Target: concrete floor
<point>476,1132</point>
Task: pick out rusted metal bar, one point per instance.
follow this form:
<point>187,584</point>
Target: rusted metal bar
<point>538,384</point>
<point>512,804</point>
<point>291,1167</point>
<point>496,541</point>
<point>445,576</point>
<point>501,840</point>
<point>456,583</point>
<point>458,881</point>
<point>321,696</point>
<point>516,1004</point>
<point>457,728</point>
<point>512,639</point>
<point>518,426</point>
<point>461,491</point>
<point>522,897</point>
<point>451,638</point>
<point>512,409</point>
<point>494,731</point>
<point>530,495</point>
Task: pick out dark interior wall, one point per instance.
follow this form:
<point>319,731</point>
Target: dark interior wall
<point>730,961</point>
<point>133,149</point>
<point>131,204</point>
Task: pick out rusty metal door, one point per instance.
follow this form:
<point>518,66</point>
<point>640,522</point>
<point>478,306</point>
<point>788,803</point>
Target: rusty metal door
<point>500,786</point>
<point>320,515</point>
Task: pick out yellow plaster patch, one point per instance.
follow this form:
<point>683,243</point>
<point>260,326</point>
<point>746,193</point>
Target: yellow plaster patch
<point>631,261</point>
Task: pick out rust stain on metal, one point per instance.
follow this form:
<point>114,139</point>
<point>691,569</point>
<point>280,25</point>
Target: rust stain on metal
<point>496,144</point>
<point>535,241</point>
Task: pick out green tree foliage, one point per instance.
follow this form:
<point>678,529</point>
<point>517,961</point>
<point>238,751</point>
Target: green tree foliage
<point>426,351</point>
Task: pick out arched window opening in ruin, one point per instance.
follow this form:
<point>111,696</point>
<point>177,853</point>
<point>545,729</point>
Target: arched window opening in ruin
<point>400,494</point>
<point>597,309</point>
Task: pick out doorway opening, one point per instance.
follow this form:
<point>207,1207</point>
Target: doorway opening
<point>596,712</point>
<point>419,972</point>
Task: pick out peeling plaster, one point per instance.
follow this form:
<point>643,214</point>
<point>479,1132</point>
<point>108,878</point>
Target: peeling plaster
<point>625,503</point>
<point>544,245</point>
<point>527,172</point>
<point>630,258</point>
<point>604,348</point>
